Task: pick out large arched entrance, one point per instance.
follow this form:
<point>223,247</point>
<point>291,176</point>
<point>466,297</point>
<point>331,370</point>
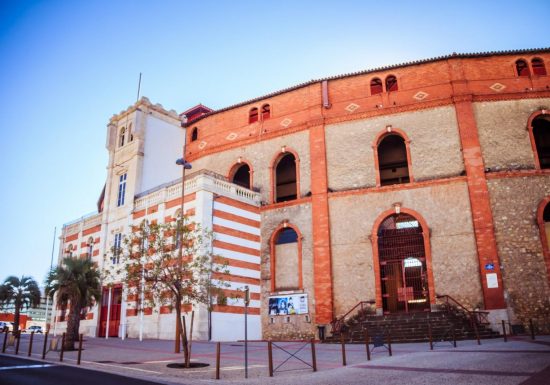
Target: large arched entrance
<point>403,267</point>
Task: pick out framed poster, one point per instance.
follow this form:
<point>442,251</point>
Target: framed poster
<point>288,304</point>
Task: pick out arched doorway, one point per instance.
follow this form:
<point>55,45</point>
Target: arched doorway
<point>403,268</point>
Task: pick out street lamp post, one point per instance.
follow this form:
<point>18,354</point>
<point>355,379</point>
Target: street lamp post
<point>186,166</point>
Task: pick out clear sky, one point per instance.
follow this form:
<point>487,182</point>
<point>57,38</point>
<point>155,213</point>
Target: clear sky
<point>67,66</point>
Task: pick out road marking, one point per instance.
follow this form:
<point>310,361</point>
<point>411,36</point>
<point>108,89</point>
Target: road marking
<point>25,367</point>
<point>125,367</point>
<point>157,362</point>
<point>227,368</point>
<point>450,371</point>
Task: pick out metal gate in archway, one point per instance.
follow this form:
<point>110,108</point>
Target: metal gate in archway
<point>402,259</point>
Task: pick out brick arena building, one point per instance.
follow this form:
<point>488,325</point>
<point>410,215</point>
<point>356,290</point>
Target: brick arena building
<point>395,185</point>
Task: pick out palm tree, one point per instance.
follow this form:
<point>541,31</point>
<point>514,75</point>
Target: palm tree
<point>77,284</point>
<point>21,293</point>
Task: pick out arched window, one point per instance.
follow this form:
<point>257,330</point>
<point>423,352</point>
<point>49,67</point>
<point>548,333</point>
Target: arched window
<point>393,164</point>
<point>375,86</point>
<point>541,137</point>
<point>253,115</point>
<point>130,133</point>
<point>241,175</point>
<point>121,136</point>
<point>286,261</point>
<point>403,267</point>
<point>266,111</point>
<point>70,251</point>
<point>391,83</point>
<point>522,68</point>
<point>538,67</point>
<point>194,134</point>
<point>286,187</point>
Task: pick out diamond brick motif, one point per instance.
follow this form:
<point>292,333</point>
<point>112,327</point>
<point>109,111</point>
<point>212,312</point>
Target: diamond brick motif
<point>231,136</point>
<point>202,145</point>
<point>286,122</point>
<point>420,95</point>
<point>352,107</point>
<point>497,87</point>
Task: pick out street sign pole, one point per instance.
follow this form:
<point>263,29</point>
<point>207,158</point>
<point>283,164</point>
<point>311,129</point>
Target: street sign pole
<point>246,303</point>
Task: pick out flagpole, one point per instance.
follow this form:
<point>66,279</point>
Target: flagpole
<point>51,265</point>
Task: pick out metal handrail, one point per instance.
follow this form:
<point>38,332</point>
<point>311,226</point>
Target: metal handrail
<point>337,323</point>
<point>477,316</point>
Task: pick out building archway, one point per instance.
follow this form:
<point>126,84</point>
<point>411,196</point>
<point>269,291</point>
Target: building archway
<point>402,262</point>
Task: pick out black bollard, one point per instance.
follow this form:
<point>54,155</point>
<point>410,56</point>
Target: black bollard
<point>62,347</point>
<point>313,356</point>
<point>30,344</point>
<point>45,344</point>
<point>79,349</point>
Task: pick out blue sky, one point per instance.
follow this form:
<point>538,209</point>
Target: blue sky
<point>67,66</point>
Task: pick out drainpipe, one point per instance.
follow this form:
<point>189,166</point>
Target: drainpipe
<point>324,88</point>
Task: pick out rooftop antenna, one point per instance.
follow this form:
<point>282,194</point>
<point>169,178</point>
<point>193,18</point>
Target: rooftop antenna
<point>139,87</point>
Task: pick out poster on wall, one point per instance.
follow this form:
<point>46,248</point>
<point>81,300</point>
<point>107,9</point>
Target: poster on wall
<point>288,304</point>
<point>492,281</point>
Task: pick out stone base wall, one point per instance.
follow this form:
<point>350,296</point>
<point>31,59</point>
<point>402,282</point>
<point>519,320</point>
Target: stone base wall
<point>291,326</point>
<point>446,210</point>
<point>514,202</point>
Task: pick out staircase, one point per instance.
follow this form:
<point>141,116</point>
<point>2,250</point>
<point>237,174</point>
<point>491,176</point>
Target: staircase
<point>451,319</point>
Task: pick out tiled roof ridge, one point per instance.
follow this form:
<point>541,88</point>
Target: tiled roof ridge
<point>376,69</point>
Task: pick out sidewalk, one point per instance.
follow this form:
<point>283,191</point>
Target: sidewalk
<point>493,362</point>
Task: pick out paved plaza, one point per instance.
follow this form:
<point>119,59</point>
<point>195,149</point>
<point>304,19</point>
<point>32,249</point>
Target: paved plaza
<point>520,360</point>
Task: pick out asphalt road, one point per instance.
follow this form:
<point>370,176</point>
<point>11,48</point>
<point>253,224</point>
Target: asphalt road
<point>17,371</point>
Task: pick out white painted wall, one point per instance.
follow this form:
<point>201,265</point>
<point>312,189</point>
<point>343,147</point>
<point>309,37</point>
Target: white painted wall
<point>163,144</point>
<point>230,327</point>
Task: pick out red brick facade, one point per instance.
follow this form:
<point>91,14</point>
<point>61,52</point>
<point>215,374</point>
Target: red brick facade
<point>458,81</point>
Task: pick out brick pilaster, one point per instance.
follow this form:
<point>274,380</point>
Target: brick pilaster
<point>322,268</point>
<point>479,200</point>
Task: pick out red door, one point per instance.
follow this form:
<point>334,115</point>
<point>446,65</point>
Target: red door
<point>114,316</point>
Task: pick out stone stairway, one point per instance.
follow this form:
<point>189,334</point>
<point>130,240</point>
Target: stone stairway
<point>411,327</point>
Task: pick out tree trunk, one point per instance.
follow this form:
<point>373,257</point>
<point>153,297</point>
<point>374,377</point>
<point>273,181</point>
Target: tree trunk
<point>73,324</point>
<point>180,327</point>
<point>178,330</point>
<point>16,318</point>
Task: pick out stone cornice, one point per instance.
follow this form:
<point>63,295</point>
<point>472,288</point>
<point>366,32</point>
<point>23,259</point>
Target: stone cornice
<point>144,104</point>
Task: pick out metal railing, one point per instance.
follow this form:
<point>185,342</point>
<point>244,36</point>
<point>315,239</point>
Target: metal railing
<point>476,317</point>
<point>359,309</point>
